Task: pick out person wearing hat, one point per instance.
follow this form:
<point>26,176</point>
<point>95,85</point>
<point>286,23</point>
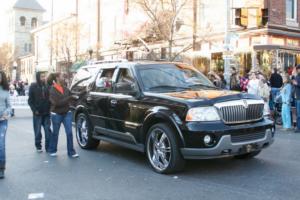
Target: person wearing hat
<point>296,83</point>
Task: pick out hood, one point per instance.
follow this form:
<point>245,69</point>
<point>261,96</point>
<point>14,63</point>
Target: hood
<point>202,97</point>
<point>201,94</point>
<point>38,78</point>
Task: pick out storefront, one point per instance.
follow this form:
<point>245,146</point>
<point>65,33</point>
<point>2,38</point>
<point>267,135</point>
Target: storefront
<point>275,56</point>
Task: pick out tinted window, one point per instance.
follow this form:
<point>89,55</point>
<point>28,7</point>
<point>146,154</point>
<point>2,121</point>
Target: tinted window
<point>169,77</point>
<point>125,83</point>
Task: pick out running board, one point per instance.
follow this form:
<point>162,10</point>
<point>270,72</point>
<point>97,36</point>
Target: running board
<point>136,147</point>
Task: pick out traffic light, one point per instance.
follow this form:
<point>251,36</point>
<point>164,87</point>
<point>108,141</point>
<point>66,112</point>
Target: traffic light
<point>241,17</point>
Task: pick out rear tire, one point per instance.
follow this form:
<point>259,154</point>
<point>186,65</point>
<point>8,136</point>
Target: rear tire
<point>84,133</point>
<point>248,155</point>
<point>163,150</point>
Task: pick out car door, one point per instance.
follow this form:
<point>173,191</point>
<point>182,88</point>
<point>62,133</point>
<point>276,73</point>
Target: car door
<point>122,105</point>
<point>97,99</point>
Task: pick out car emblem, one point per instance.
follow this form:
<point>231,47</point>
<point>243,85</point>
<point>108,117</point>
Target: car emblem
<point>245,104</point>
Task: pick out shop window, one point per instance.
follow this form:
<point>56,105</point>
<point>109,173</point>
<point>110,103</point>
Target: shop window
<point>22,21</point>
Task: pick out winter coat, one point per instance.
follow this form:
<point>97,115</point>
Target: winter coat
<point>39,97</point>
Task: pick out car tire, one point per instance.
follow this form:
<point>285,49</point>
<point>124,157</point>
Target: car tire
<point>248,155</point>
<point>162,149</point>
<point>84,133</point>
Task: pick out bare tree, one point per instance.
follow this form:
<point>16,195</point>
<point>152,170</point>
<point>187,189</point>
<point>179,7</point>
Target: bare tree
<point>163,15</point>
<point>64,42</point>
<point>6,58</point>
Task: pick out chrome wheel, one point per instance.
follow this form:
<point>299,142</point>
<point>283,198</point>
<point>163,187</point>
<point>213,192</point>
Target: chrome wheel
<point>82,131</point>
<point>159,149</point>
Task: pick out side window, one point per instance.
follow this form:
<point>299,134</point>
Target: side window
<point>104,81</point>
<point>33,22</point>
<point>22,21</point>
<point>125,83</point>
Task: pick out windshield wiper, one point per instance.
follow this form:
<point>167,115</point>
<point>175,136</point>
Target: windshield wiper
<point>169,87</point>
<point>203,85</point>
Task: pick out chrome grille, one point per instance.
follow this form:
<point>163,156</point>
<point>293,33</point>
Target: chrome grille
<point>247,137</point>
<point>241,111</point>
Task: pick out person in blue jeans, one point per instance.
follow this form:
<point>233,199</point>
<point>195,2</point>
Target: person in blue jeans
<point>286,96</point>
<point>5,112</point>
<point>40,105</point>
<point>296,83</point>
<point>61,99</point>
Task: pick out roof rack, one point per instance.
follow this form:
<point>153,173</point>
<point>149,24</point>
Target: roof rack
<point>106,61</point>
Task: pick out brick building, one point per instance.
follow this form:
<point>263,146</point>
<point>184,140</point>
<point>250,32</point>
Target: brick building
<point>268,37</point>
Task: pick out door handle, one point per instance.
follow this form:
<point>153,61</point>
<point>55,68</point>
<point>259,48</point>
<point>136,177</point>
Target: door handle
<point>113,102</point>
<point>89,99</point>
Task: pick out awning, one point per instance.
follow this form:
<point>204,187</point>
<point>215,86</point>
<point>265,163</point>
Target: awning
<point>275,47</point>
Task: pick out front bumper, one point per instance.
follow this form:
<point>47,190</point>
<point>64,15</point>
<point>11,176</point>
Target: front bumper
<point>226,147</point>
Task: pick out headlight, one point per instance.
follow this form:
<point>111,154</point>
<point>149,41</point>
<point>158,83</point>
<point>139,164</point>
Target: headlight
<point>202,114</point>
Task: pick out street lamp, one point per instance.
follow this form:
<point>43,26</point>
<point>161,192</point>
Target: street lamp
<point>90,51</point>
<point>227,45</point>
<point>14,71</point>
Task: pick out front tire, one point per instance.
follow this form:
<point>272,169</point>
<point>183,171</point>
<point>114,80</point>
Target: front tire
<point>84,133</point>
<point>163,150</point>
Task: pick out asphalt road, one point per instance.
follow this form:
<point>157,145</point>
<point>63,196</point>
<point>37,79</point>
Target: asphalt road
<point>116,173</point>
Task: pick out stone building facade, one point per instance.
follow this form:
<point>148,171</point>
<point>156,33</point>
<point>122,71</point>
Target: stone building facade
<point>24,16</point>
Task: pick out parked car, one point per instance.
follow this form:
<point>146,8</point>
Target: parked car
<point>169,111</point>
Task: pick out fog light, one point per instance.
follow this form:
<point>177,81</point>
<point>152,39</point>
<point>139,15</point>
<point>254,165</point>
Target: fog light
<point>207,139</point>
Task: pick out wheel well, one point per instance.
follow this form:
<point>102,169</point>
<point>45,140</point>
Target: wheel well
<point>78,112</point>
<point>156,120</point>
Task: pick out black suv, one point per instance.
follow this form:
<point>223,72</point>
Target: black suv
<point>170,111</point>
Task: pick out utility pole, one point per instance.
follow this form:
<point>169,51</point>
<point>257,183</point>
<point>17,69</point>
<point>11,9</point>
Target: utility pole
<point>194,23</point>
<point>76,32</point>
<point>226,52</point>
<point>51,35</point>
<point>98,28</point>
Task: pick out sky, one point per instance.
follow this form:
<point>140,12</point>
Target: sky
<point>61,8</point>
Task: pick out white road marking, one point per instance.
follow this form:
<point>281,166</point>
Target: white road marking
<point>36,196</point>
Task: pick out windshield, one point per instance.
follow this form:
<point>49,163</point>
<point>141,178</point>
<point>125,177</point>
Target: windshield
<point>171,77</point>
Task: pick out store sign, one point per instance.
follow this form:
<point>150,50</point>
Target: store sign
<point>278,41</point>
<point>293,43</point>
<point>243,44</point>
<point>227,55</point>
